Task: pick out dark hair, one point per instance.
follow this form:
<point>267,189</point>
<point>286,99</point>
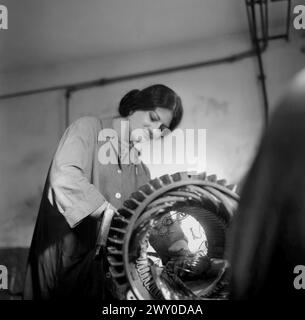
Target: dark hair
<point>150,98</point>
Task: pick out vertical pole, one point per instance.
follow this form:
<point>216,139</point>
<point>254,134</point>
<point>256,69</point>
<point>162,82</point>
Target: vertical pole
<point>67,108</point>
<point>288,20</point>
<point>262,76</point>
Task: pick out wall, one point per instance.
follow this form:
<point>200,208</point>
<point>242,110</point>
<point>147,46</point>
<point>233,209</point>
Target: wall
<point>226,100</point>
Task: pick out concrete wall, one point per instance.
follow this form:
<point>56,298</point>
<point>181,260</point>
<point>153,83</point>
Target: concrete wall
<point>226,100</point>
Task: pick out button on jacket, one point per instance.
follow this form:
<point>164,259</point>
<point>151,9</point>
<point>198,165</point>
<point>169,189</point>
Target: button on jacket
<point>61,260</point>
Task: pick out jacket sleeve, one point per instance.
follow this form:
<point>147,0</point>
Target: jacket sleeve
<point>147,171</point>
<point>70,190</point>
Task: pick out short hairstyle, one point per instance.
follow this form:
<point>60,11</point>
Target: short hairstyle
<point>150,98</point>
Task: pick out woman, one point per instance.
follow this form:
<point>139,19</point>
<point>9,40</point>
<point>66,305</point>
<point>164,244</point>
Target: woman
<point>80,185</point>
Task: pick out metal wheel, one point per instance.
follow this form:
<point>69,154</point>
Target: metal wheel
<point>210,201</point>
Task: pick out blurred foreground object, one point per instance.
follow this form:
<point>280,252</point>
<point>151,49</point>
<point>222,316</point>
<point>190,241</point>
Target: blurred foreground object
<point>268,234</point>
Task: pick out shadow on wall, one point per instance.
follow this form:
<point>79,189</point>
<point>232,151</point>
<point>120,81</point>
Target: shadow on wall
<point>14,259</point>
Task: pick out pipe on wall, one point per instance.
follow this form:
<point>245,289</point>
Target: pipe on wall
<point>71,88</point>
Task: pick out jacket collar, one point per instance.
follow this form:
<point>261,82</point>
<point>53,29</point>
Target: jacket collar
<point>107,123</point>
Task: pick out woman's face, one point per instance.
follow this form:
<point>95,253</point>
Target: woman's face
<point>147,125</point>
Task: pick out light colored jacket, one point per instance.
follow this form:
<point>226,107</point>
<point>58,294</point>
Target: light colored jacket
<point>61,260</point>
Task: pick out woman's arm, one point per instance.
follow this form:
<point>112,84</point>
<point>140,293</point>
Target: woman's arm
<point>70,189</point>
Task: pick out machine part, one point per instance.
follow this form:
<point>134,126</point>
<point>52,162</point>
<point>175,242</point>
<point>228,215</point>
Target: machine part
<point>210,201</point>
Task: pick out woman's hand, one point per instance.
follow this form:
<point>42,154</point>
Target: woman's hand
<point>98,213</point>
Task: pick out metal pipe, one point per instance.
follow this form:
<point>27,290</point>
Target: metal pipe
<point>288,19</point>
<point>30,92</point>
<point>67,108</point>
<point>262,76</point>
<point>275,37</point>
<point>267,19</point>
<point>106,81</point>
<point>263,22</point>
<point>207,63</point>
<point>250,25</point>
